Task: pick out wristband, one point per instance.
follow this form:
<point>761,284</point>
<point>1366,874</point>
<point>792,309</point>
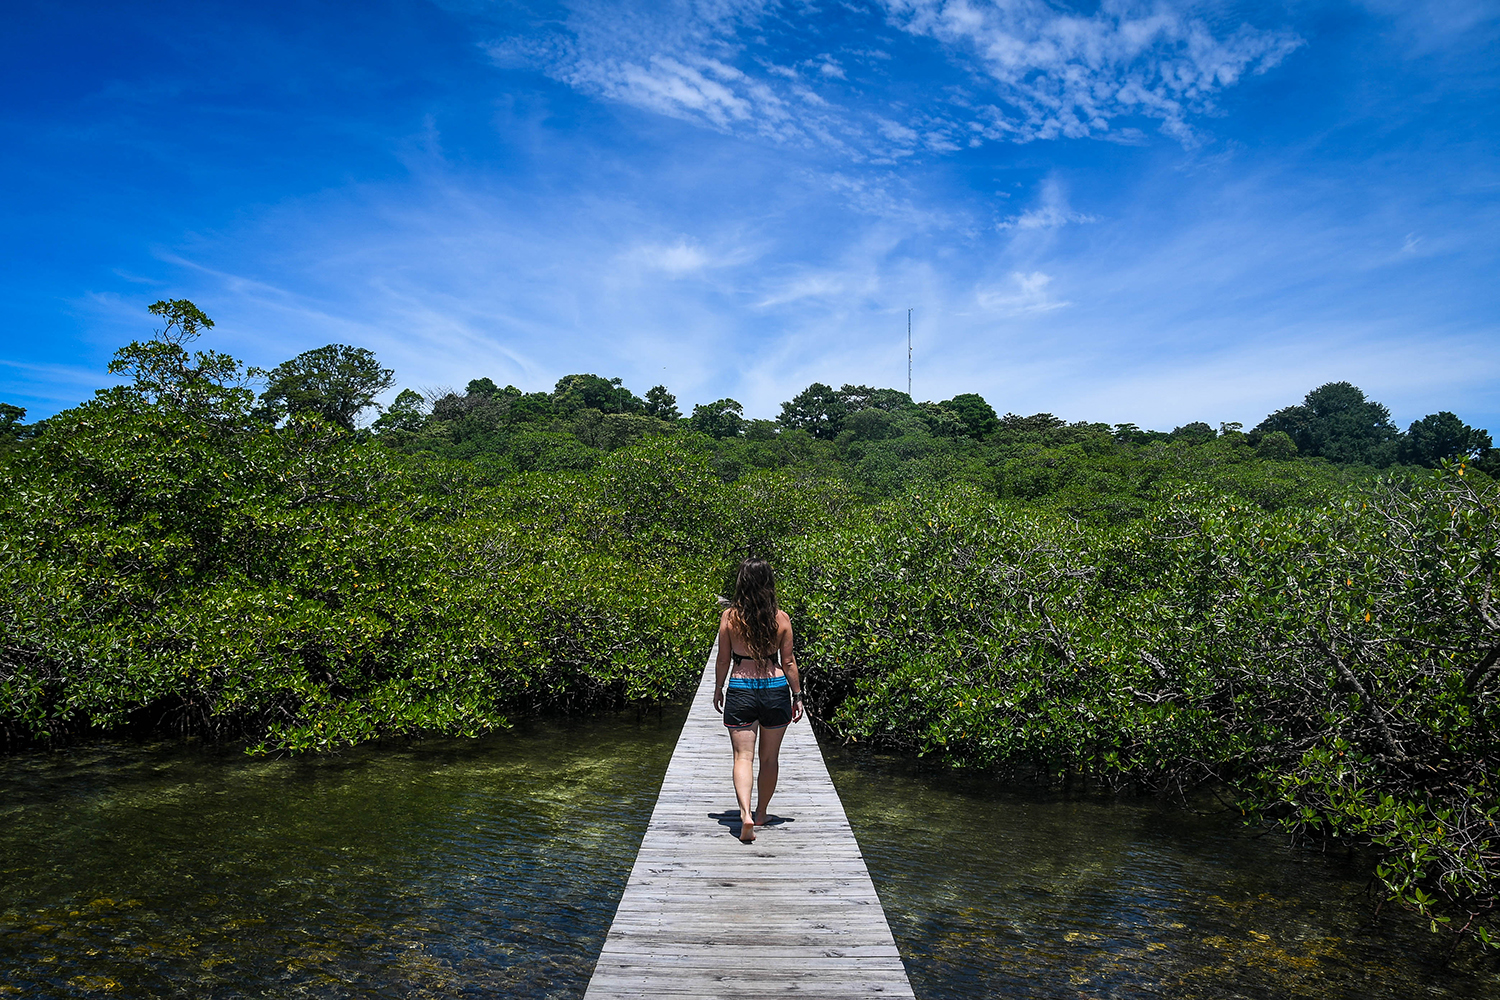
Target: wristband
<point>796,695</point>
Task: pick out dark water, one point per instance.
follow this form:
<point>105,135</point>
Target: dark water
<point>996,894</point>
<point>491,868</point>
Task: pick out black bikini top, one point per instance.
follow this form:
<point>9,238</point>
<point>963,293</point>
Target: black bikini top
<point>739,658</point>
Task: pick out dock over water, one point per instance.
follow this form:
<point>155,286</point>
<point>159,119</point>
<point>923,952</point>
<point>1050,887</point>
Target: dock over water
<point>704,915</point>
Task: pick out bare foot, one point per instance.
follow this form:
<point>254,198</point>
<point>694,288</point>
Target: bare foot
<point>759,816</point>
<point>747,830</point>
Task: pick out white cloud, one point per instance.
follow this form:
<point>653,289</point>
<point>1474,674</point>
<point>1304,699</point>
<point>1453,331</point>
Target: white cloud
<point>829,67</point>
<point>1019,71</point>
<point>1051,213</point>
<point>1025,293</point>
<point>679,258</point>
<point>1060,74</point>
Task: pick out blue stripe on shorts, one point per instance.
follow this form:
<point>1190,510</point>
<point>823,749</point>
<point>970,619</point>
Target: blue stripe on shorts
<point>758,682</point>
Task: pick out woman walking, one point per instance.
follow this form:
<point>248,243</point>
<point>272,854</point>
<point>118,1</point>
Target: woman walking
<point>764,691</point>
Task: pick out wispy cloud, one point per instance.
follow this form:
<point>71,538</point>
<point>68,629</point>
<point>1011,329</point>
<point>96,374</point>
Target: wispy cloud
<point>1024,293</point>
<point>681,257</point>
<point>1051,211</point>
<point>1020,70</point>
<point>1060,74</point>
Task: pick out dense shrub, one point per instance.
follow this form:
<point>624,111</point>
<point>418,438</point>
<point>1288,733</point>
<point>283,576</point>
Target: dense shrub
<point>1338,667</point>
<point>309,590</point>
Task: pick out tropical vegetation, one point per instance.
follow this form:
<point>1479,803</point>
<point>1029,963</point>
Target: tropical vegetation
<point>1300,618</point>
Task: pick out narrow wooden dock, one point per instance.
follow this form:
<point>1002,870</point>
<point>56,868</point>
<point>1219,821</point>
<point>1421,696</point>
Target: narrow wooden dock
<point>704,915</point>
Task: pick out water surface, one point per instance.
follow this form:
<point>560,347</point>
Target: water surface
<point>486,868</point>
<point>491,868</point>
<point>995,893</point>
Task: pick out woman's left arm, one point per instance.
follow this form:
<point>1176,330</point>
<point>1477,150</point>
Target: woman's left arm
<point>721,665</point>
<point>789,664</point>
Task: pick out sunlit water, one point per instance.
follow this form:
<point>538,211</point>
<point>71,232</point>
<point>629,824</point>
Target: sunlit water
<point>491,868</point>
<point>1029,895</point>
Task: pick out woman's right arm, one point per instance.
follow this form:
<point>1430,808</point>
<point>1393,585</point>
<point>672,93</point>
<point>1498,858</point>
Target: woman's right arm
<point>789,665</point>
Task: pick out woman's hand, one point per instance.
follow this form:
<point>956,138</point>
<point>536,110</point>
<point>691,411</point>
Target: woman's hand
<point>719,700</point>
<point>796,709</point>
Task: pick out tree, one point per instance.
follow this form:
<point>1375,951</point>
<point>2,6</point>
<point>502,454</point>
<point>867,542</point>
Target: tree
<point>1337,422</point>
<point>863,397</point>
<point>977,415</point>
<point>407,413</point>
<point>818,409</point>
<point>482,387</point>
<point>722,419</point>
<point>1197,432</point>
<point>528,407</point>
<point>1277,445</point>
<point>661,404</point>
<point>10,420</point>
<point>11,427</point>
<point>336,382</point>
<point>594,392</point>
<point>761,430</point>
<point>870,424</point>
<point>943,422</point>
<point>1123,433</point>
<point>1440,437</point>
<point>1037,423</point>
<point>163,371</point>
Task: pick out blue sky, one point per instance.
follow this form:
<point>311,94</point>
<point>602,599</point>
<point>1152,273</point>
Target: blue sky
<point>1142,212</point>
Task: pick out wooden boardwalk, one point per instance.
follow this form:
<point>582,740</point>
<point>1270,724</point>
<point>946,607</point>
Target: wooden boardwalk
<point>703,915</point>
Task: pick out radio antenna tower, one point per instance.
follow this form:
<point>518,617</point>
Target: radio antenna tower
<point>908,353</point>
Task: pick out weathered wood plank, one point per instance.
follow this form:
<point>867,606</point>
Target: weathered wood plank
<point>705,916</point>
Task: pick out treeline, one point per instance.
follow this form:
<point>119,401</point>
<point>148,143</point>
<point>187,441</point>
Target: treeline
<point>879,440</point>
<point>1317,634</point>
<point>877,432</point>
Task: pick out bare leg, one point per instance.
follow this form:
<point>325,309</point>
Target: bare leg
<point>770,767</point>
<point>743,741</point>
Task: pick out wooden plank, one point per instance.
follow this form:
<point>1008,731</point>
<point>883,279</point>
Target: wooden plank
<point>705,916</point>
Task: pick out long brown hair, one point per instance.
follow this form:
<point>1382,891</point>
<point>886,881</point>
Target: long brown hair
<point>753,611</point>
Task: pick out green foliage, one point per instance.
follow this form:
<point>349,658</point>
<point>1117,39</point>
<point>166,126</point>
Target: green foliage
<point>1196,432</point>
<point>661,404</point>
<point>978,416</point>
<point>1442,437</point>
<point>336,383</point>
<point>721,419</point>
<point>293,584</point>
<point>607,395</point>
<point>406,414</point>
<point>1337,422</point>
<point>1018,593</point>
<point>1337,665</point>
<point>818,409</point>
<point>11,427</point>
<point>1276,445</point>
<point>163,372</point>
<point>943,422</point>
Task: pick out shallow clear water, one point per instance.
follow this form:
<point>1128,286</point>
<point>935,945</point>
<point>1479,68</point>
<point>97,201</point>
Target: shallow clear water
<point>444,869</point>
<point>491,868</point>
<point>1033,895</point>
